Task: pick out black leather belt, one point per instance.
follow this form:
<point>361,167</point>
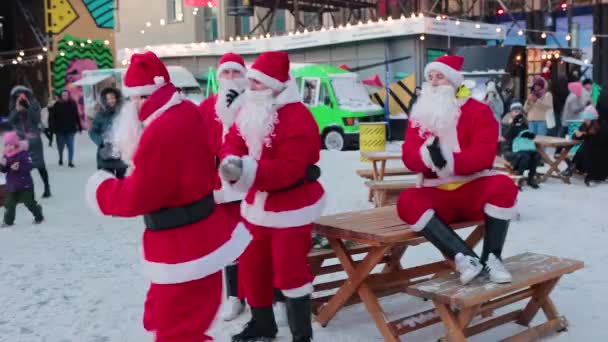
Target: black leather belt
<point>180,216</point>
<point>313,172</point>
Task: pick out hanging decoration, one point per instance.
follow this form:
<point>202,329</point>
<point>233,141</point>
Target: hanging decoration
<point>201,3</point>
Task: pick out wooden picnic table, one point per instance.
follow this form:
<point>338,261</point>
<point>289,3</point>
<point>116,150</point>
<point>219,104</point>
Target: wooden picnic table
<point>542,143</point>
<point>380,158</point>
<point>387,238</point>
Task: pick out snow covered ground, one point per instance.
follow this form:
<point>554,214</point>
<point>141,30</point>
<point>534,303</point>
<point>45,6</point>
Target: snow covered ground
<point>75,277</point>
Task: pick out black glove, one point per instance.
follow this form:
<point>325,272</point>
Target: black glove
<point>313,172</point>
<point>231,96</point>
<point>436,156</point>
<point>528,135</point>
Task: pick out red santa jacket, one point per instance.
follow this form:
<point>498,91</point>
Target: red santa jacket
<point>173,166</point>
<point>294,146</point>
<point>469,150</point>
<point>223,192</point>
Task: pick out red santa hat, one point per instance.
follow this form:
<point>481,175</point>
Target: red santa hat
<point>231,61</point>
<point>146,74</point>
<point>272,69</point>
<point>449,66</point>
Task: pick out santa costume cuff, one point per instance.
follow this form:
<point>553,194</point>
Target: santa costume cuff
<point>250,169</point>
<point>447,154</point>
<point>500,212</point>
<point>93,183</point>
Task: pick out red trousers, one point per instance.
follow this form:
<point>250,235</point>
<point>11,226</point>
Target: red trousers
<point>491,195</point>
<point>183,312</point>
<point>276,258</point>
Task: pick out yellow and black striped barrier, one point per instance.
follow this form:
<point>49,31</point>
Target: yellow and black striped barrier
<point>372,137</point>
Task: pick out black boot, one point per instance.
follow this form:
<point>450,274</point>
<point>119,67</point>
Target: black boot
<point>230,273</point>
<point>491,256</point>
<point>452,246</point>
<point>298,316</point>
<point>445,239</point>
<point>531,179</point>
<point>261,328</point>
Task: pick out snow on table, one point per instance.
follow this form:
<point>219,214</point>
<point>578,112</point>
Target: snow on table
<point>76,277</point>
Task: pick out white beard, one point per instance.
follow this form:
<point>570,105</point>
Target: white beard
<point>256,120</point>
<point>436,111</point>
<point>126,132</point>
<point>227,114</point>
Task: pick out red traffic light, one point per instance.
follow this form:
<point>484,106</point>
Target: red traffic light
<point>563,6</point>
<point>500,11</point>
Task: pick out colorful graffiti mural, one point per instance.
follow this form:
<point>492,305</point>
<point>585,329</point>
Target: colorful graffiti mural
<point>102,12</point>
<point>77,55</point>
<point>60,15</point>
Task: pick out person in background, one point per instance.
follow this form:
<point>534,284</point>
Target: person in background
<point>590,159</point>
<point>539,102</point>
<point>44,120</point>
<point>493,100</point>
<point>588,85</point>
<point>576,101</point>
<point>111,100</point>
<point>17,165</point>
<point>521,150</point>
<point>25,119</point>
<point>64,121</point>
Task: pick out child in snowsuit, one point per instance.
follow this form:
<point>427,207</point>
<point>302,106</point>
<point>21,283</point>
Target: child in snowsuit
<point>17,165</point>
<point>521,153</point>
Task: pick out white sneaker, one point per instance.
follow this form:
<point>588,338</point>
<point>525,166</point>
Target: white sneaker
<point>231,309</point>
<point>468,266</point>
<point>280,314</point>
<point>498,272</point>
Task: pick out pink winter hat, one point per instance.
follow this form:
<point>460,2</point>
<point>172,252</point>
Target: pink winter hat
<point>576,88</point>
<point>10,138</point>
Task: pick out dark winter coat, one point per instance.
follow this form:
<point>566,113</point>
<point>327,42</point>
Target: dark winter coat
<point>21,179</point>
<point>591,156</point>
<point>64,118</point>
<point>27,124</point>
<point>100,129</point>
<point>518,125</point>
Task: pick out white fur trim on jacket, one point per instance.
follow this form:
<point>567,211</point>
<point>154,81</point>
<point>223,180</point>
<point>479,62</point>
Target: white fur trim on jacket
<point>227,194</point>
<point>261,77</point>
<point>161,273</point>
<point>301,291</point>
<point>423,220</point>
<point>290,94</point>
<point>447,153</point>
<point>500,213</point>
<point>432,182</point>
<point>454,76</point>
<point>90,192</point>
<point>145,90</point>
<point>231,66</point>
<point>175,99</point>
<point>250,169</point>
<point>257,214</point>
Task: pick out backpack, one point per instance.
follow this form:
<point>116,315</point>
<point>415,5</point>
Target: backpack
<point>521,144</point>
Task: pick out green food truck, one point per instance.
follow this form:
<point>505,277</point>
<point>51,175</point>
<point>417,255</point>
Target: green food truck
<point>337,99</point>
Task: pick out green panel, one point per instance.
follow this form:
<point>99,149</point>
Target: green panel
<point>433,54</point>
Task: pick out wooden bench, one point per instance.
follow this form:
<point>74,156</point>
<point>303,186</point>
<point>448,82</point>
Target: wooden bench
<point>382,239</point>
<point>386,192</point>
<point>534,277</point>
<point>388,172</point>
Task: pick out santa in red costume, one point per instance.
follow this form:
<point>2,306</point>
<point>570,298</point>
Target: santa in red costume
<point>452,144</point>
<point>187,240</point>
<point>271,153</point>
<point>221,109</point>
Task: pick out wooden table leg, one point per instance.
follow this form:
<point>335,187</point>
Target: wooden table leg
<point>394,264</point>
<point>538,300</point>
<point>356,277</point>
<point>562,156</point>
<point>547,159</point>
<point>382,170</point>
<point>454,332</point>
